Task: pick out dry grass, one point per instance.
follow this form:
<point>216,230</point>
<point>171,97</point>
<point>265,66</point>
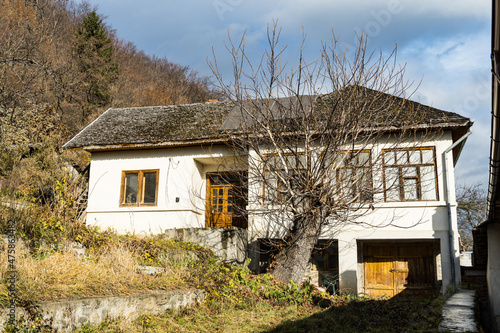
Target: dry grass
<point>62,275</point>
<point>344,315</point>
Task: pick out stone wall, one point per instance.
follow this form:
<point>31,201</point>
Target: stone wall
<point>65,315</point>
<point>228,244</point>
<point>480,247</point>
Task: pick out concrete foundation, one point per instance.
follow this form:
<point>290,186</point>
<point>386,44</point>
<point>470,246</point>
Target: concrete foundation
<point>65,315</point>
<point>228,244</point>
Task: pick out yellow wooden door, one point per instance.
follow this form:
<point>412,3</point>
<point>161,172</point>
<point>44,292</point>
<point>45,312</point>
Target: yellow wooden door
<point>379,265</point>
<point>406,270</point>
<point>415,270</point>
<point>225,202</point>
<point>220,206</point>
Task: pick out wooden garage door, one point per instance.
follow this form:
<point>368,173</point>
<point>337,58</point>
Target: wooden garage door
<point>406,269</point>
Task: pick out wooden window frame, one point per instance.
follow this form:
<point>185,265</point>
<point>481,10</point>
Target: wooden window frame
<point>347,156</point>
<point>321,249</point>
<point>140,188</point>
<point>279,184</point>
<point>417,178</point>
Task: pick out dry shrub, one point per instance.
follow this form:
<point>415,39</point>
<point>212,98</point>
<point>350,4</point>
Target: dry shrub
<point>64,275</point>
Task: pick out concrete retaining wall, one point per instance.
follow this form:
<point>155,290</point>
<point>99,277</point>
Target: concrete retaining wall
<point>68,314</point>
<point>228,244</point>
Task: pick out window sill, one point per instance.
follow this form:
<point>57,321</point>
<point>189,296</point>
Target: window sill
<point>406,204</point>
<point>378,205</point>
<point>138,205</point>
<point>141,209</point>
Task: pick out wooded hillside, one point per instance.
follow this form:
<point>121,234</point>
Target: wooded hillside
<point>61,66</point>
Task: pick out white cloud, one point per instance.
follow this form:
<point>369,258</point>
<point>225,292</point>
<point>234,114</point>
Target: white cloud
<point>445,42</point>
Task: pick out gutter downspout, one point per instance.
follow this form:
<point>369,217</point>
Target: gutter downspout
<point>448,206</point>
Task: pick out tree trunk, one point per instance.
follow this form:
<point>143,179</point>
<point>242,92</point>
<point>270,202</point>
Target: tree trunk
<point>293,258</point>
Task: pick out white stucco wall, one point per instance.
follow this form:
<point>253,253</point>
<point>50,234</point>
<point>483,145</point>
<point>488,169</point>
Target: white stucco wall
<point>421,220</point>
<point>182,175</point>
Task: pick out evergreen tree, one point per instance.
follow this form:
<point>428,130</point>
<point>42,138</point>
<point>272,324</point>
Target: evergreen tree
<point>94,51</point>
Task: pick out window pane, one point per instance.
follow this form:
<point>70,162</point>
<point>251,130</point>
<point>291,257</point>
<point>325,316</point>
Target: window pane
<point>364,158</point>
<point>428,181</point>
<point>389,158</point>
<point>279,163</point>
<point>291,161</point>
<point>415,157</point>
<point>409,172</point>
<point>333,261</point>
<point>345,174</point>
<point>303,161</point>
<point>131,182</point>
<point>319,261</point>
<point>272,186</point>
<point>428,156</point>
<point>392,184</point>
<point>270,178</point>
<point>339,161</point>
<point>401,157</point>
<point>149,191</point>
<point>353,160</point>
<point>410,189</point>
<point>365,187</point>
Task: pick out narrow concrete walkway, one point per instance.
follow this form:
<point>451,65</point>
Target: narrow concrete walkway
<point>458,313</point>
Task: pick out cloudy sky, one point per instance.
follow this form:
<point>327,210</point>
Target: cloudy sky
<point>445,44</point>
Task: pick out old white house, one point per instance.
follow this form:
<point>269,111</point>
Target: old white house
<point>159,168</point>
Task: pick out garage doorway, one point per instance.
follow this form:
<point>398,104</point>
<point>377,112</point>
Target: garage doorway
<point>404,269</point>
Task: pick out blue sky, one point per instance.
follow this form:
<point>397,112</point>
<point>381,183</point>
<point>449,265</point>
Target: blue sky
<point>445,44</point>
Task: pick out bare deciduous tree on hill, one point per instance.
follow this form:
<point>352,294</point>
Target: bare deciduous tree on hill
<point>471,211</point>
<point>315,163</point>
<point>58,63</point>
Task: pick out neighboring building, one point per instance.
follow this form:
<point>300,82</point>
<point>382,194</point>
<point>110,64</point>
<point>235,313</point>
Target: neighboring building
<point>158,168</point>
<point>492,225</point>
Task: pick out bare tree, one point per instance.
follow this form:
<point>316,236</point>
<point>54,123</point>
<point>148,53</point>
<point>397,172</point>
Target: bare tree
<point>32,68</point>
<point>471,211</point>
<point>314,160</point>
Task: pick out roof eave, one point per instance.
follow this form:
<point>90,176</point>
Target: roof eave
<point>149,145</point>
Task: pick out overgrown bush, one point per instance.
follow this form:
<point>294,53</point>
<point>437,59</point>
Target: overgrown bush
<point>226,283</point>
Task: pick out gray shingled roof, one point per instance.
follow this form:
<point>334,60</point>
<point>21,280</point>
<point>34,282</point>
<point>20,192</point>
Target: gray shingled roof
<point>182,124</point>
<point>151,125</point>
